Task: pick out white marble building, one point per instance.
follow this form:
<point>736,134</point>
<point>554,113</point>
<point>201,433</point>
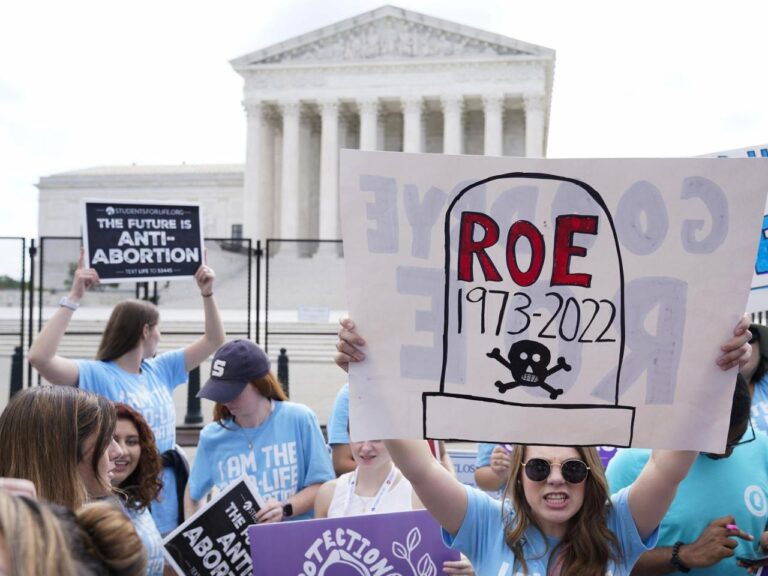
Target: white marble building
<point>390,79</point>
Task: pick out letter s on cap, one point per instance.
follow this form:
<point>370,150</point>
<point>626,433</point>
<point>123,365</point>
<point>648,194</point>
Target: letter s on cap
<point>217,369</point>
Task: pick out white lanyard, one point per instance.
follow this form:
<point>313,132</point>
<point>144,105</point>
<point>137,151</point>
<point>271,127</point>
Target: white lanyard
<point>377,500</point>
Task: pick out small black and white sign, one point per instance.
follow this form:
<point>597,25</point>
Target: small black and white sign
<point>215,539</point>
<point>142,241</point>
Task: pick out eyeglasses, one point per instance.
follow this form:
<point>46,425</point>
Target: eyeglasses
<point>573,471</point>
<point>731,445</point>
<point>747,440</point>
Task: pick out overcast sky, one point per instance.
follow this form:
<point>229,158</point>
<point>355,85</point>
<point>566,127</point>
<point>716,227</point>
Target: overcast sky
<point>90,83</point>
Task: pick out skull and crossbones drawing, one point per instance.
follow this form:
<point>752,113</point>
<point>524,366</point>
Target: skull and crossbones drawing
<point>528,363</point>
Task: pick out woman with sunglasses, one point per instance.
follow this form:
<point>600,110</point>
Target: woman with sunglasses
<point>557,517</point>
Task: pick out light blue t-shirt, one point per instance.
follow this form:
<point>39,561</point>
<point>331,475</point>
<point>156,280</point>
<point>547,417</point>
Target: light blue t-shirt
<point>483,457</point>
<point>150,536</point>
<point>760,405</point>
<point>337,423</point>
<point>481,538</point>
<point>713,488</point>
<point>288,455</point>
<point>150,393</point>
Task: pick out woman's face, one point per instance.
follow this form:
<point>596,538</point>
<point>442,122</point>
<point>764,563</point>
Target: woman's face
<point>127,438</point>
<point>371,454</point>
<point>553,501</point>
<point>95,482</point>
<point>248,403</point>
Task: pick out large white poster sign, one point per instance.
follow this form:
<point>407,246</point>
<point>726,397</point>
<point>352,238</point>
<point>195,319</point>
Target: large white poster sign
<point>570,302</point>
<point>758,293</point>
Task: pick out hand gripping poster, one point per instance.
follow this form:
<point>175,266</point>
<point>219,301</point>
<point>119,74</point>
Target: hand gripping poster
<point>561,302</point>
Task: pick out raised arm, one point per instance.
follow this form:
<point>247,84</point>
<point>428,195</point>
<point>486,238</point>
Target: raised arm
<point>43,352</point>
<point>494,476</point>
<point>653,491</point>
<point>214,335</point>
<point>439,491</point>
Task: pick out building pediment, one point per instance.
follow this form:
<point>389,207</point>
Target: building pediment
<point>387,34</point>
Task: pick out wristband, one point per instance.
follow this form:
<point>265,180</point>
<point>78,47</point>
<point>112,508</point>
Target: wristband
<point>675,560</point>
<point>206,295</point>
<point>67,303</point>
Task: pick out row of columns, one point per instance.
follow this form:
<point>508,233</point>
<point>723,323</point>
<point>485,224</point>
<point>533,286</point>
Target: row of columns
<point>258,189</point>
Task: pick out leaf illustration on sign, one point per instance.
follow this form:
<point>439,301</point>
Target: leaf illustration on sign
<point>414,537</point>
<point>426,566</point>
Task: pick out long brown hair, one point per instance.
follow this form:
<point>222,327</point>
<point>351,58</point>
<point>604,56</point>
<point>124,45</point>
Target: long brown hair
<point>125,328</point>
<point>588,544</point>
<point>139,489</point>
<point>268,386</point>
<point>43,432</point>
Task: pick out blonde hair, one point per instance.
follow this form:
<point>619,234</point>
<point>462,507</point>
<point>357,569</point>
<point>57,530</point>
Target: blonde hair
<point>35,544</point>
<point>43,431</point>
<point>588,544</point>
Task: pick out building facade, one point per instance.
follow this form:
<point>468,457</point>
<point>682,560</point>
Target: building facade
<point>390,79</point>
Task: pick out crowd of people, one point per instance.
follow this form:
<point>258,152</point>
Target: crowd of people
<point>91,478</point>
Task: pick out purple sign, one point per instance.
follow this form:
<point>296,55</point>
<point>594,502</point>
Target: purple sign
<point>401,543</point>
<point>606,453</point>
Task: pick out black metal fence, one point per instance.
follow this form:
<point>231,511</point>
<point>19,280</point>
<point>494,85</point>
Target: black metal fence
<point>286,295</point>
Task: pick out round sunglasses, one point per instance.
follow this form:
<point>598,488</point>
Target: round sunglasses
<point>573,471</point>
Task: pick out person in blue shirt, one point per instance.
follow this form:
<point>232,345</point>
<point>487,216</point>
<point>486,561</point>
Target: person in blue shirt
<point>557,517</point>
<point>492,465</point>
<point>129,370</point>
<point>258,433</point>
<point>338,435</point>
<point>136,477</point>
<point>755,372</point>
<point>719,510</point>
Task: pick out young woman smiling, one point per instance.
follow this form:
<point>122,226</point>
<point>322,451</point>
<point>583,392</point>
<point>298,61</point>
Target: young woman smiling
<point>136,479</point>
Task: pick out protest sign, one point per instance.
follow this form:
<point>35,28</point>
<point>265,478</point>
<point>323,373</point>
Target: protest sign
<point>142,241</point>
<point>215,539</point>
<point>562,302</point>
<point>404,543</point>
<point>758,293</point>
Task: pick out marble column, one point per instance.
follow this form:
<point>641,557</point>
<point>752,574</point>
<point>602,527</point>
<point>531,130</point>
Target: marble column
<point>534,125</point>
<point>493,108</point>
<point>289,207</point>
<point>329,166</point>
<point>258,207</point>
<point>453,107</point>
<point>369,121</point>
<point>412,123</point>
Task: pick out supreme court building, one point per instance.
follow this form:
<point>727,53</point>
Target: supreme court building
<point>389,79</point>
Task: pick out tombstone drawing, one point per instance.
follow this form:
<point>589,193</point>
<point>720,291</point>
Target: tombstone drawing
<point>531,322</point>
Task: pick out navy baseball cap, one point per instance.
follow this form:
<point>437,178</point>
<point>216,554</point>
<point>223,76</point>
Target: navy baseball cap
<point>234,365</point>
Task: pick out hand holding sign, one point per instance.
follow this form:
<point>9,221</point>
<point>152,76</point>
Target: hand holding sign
<point>736,351</point>
<point>84,279</point>
<point>272,511</point>
<point>204,278</point>
<point>347,348</point>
